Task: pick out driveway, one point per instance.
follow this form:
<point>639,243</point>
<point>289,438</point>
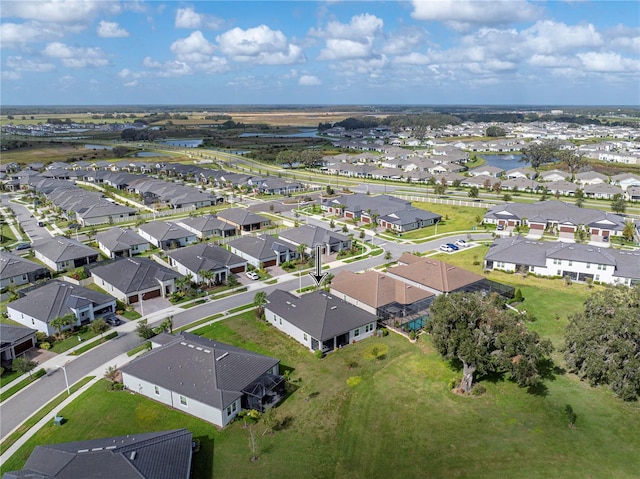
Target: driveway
<point>29,223</point>
<point>150,306</point>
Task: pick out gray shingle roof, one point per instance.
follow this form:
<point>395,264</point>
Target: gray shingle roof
<point>312,236</point>
<point>207,371</point>
<point>207,223</point>
<point>203,256</point>
<point>55,298</point>
<point>12,265</point>
<point>130,275</point>
<point>403,217</point>
<point>154,455</point>
<point>119,239</point>
<point>59,249</point>
<point>319,314</point>
<point>10,334</point>
<point>260,247</point>
<point>164,230</point>
<point>241,216</point>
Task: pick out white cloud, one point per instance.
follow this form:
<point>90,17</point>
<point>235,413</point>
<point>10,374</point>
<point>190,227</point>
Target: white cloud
<point>608,62</point>
<point>350,40</point>
<point>11,75</point>
<point>130,84</point>
<point>67,80</point>
<point>548,37</point>
<point>111,30</point>
<point>189,18</point>
<point>404,42</point>
<point>550,61</point>
<point>309,80</point>
<point>259,45</point>
<point>76,57</point>
<point>58,11</point>
<point>13,34</point>
<point>465,12</point>
<point>24,64</point>
<point>194,43</point>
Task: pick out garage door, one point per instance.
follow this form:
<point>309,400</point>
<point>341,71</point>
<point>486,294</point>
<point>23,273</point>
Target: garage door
<point>133,299</point>
<point>22,347</point>
<point>566,229</point>
<point>272,262</point>
<point>151,294</point>
<point>237,269</point>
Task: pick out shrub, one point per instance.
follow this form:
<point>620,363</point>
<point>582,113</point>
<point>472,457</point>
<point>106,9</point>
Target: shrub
<point>45,345</point>
<point>478,389</point>
<point>518,296</point>
<point>318,354</point>
<point>453,382</point>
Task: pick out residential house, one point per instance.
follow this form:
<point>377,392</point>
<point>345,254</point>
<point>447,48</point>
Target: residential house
<point>151,455</point>
<point>487,170</point>
<point>103,212</point>
<point>39,306</point>
<point>395,303</point>
<point>553,175</point>
<point>632,193</point>
<point>578,262</point>
<point>195,259</point>
<point>166,235</point>
<point>277,186</point>
<point>556,215</point>
<point>262,251</point>
<point>207,379</point>
<point>318,320</point>
<point>522,172</point>
<point>121,242</point>
<point>60,253</point>
<point>590,178</point>
<point>243,220</point>
<point>408,219</point>
<point>439,277</point>
<point>312,236</point>
<point>132,279</point>
<point>520,184</point>
<point>14,341</point>
<point>207,226</point>
<point>625,180</point>
<point>16,270</point>
<point>602,191</point>
<point>564,188</point>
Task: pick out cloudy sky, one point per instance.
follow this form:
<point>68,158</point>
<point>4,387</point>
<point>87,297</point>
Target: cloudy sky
<point>71,52</point>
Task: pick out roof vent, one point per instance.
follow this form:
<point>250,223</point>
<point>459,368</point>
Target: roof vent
<point>222,357</point>
<point>334,307</point>
<point>133,454</point>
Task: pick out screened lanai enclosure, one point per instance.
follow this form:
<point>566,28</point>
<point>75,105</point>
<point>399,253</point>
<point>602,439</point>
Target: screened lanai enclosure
<point>405,317</point>
<point>263,393</point>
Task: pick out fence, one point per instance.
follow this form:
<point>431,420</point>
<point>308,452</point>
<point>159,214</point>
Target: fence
<point>444,201</point>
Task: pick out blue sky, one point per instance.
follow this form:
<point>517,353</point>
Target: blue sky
<point>107,52</point>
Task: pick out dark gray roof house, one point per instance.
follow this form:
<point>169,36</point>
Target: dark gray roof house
<point>408,219</point>
<point>60,253</point>
<point>263,250</point>
<point>208,379</point>
<point>15,340</point>
<point>206,257</point>
<point>313,236</point>
<point>151,455</point>
<point>128,279</point>
<point>121,242</point>
<point>165,234</point>
<point>206,226</point>
<point>39,306</point>
<point>16,270</point>
<point>243,219</point>
<point>318,320</point>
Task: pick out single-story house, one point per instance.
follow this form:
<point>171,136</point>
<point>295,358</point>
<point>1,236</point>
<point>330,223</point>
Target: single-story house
<point>312,236</point>
<point>166,235</point>
<point>60,253</point>
<point>407,220</point>
<point>103,212</point>
<point>277,186</point>
<point>243,219</point>
<point>207,379</point>
<point>602,191</point>
<point>150,455</point>
<point>195,259</point>
<point>121,242</point>
<point>553,175</point>
<point>39,306</point>
<point>14,341</point>
<point>318,320</point>
<point>16,270</point>
<point>204,227</point>
<point>262,251</point>
<point>130,279</point>
<point>579,262</point>
<point>487,170</point>
<point>394,302</point>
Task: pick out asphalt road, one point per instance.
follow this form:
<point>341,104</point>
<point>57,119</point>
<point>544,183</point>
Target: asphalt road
<point>23,216</point>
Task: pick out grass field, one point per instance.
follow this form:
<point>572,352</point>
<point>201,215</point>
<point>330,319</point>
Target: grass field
<point>399,419</point>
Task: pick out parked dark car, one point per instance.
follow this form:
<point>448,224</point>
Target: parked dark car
<point>23,246</point>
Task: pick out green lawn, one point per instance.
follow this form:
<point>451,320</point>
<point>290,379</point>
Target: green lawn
<point>454,218</point>
<point>398,419</point>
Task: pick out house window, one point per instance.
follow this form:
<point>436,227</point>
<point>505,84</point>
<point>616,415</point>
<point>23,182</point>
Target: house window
<point>356,332</point>
<point>228,410</point>
<point>156,389</point>
<point>305,336</point>
<point>280,321</point>
<point>570,263</point>
<point>597,277</point>
<point>588,265</point>
<point>234,407</point>
<point>183,400</point>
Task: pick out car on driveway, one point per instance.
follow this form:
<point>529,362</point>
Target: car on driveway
<point>252,275</point>
<point>446,248</point>
<point>461,243</point>
<point>23,246</point>
<point>452,246</point>
<point>500,228</point>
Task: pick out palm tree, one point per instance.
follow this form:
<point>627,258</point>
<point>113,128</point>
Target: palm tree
<point>62,322</point>
<point>259,301</point>
<point>301,249</point>
<point>207,275</point>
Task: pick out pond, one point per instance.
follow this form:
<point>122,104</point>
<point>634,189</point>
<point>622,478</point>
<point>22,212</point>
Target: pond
<point>98,147</point>
<point>506,162</point>
<point>301,134</point>
<point>149,153</point>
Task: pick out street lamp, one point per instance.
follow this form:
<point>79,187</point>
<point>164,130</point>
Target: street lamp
<point>66,379</point>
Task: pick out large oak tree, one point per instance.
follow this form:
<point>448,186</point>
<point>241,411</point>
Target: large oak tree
<point>475,330</point>
<point>602,343</point>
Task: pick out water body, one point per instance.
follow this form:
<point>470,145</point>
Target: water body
<point>98,147</point>
<point>149,153</point>
<point>301,134</point>
<point>183,143</point>
<point>506,162</point>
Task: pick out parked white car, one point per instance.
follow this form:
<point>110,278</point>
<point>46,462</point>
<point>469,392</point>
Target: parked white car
<point>446,248</point>
<point>462,243</point>
<point>252,275</point>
